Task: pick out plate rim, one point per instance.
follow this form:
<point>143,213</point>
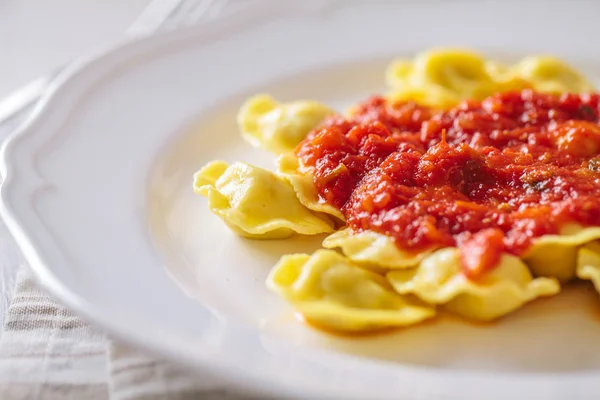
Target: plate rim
<point>44,271</point>
<point>44,274</point>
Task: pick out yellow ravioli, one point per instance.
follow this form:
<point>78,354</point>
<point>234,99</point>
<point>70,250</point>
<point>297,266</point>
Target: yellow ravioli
<point>588,263</point>
<point>549,74</point>
<point>288,167</point>
<point>372,249</point>
<point>256,203</point>
<point>444,77</point>
<point>439,280</point>
<point>333,292</point>
<point>277,127</point>
<point>556,255</point>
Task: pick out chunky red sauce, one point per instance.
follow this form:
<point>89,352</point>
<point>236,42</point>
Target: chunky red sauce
<point>486,176</point>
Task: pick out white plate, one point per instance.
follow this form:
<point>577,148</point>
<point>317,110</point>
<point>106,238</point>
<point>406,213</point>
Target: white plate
<point>98,196</point>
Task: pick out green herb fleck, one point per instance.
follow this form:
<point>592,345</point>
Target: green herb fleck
<point>587,112</point>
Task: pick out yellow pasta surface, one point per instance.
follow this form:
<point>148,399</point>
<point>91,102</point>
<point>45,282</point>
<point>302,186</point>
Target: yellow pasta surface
<point>439,280</point>
<point>556,255</point>
<point>372,249</point>
<point>255,203</point>
<point>278,127</point>
<point>550,74</point>
<point>333,292</point>
<point>444,77</point>
<point>588,263</point>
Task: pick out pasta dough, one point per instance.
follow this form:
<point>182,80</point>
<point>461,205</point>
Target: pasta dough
<point>588,263</point>
<point>549,74</point>
<point>288,167</point>
<point>255,203</point>
<point>372,249</point>
<point>438,280</point>
<point>444,77</point>
<point>556,255</point>
<point>334,293</point>
<point>278,127</point>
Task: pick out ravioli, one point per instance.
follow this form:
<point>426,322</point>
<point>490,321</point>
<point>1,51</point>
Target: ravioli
<point>424,175</point>
<point>277,127</point>
<point>334,293</point>
<point>288,168</point>
<point>588,263</point>
<point>431,95</point>
<point>255,203</point>
<point>438,280</point>
<point>372,249</point>
<point>556,255</point>
<point>444,77</point>
<point>549,74</point>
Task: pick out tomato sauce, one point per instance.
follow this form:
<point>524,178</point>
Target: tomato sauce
<point>487,176</point>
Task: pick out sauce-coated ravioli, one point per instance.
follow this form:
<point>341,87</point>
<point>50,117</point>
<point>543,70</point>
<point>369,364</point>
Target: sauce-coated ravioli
<point>471,186</point>
<point>487,177</point>
<point>255,203</point>
<point>438,280</point>
<point>331,291</point>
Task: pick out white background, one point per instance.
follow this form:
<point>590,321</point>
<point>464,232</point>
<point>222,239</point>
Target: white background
<point>38,35</point>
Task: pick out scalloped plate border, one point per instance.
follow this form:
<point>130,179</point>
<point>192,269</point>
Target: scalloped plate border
<point>36,261</point>
<point>250,378</point>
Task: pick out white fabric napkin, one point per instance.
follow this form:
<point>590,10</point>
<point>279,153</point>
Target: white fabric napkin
<point>48,353</point>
